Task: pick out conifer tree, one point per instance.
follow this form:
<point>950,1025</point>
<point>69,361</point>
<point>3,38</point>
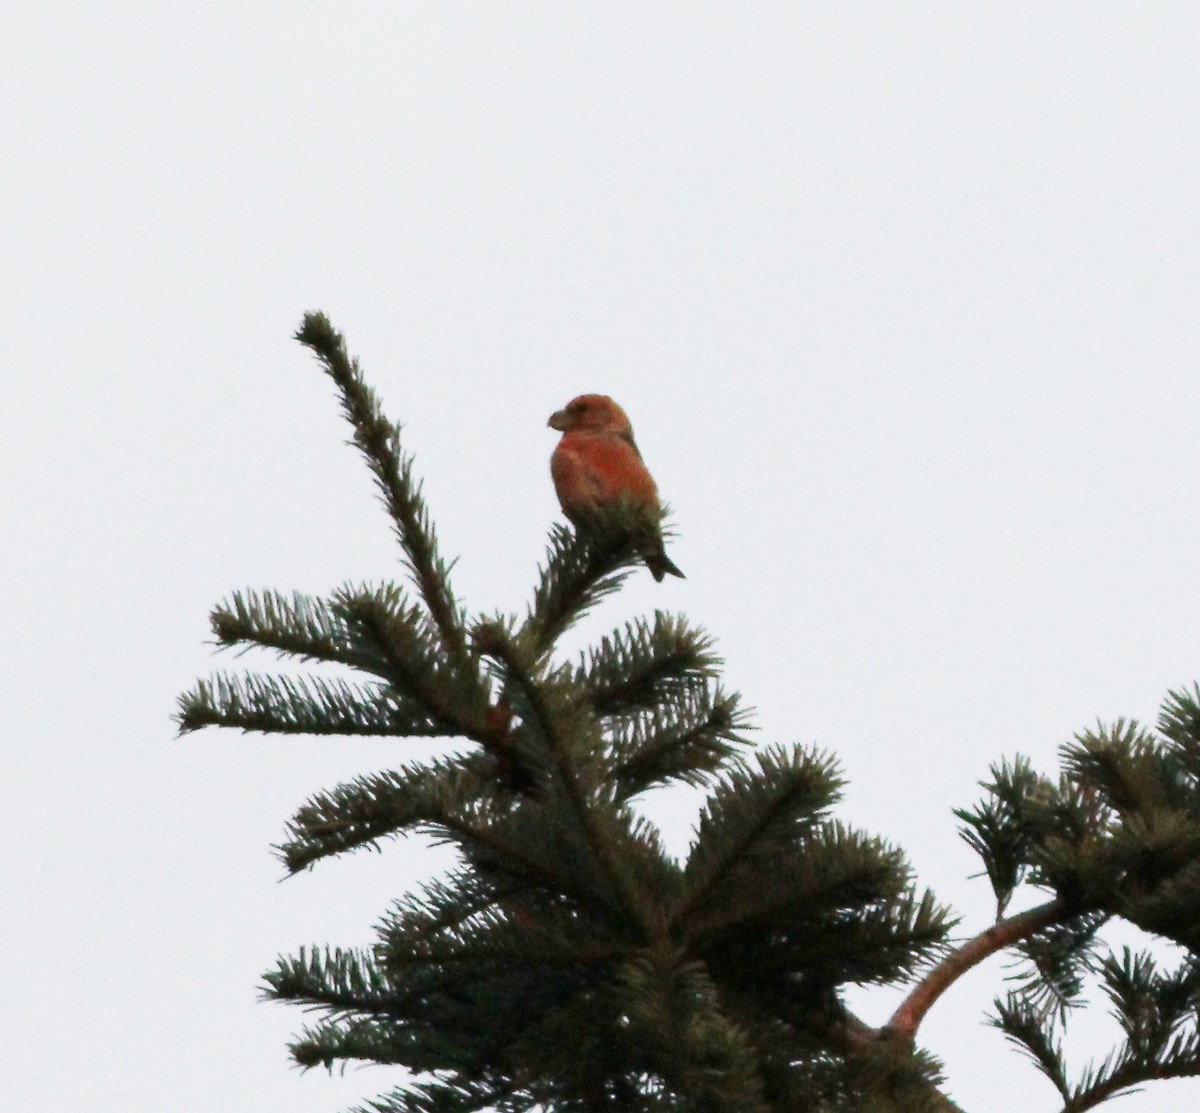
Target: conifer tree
<point>569,963</point>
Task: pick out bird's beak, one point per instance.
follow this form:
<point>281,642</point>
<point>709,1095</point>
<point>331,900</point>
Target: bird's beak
<point>559,421</point>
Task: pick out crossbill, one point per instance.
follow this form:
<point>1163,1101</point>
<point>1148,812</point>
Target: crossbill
<point>597,466</point>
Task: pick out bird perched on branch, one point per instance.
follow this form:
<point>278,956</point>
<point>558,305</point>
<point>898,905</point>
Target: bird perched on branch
<point>597,467</point>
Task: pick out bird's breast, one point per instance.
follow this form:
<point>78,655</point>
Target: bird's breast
<point>594,468</point>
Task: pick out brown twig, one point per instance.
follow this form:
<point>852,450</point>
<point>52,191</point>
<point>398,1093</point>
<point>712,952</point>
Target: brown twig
<point>907,1018</point>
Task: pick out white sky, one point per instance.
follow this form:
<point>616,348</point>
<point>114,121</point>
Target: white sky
<point>902,301</point>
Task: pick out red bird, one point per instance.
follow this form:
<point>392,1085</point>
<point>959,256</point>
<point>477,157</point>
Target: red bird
<point>597,465</point>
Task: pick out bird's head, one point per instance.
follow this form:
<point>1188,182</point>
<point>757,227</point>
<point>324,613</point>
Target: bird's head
<point>595,413</point>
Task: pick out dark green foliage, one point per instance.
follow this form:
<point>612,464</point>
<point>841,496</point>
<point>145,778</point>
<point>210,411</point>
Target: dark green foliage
<point>1179,721</point>
<point>566,961</point>
<point>1156,1012</point>
<point>373,630</point>
<point>379,441</point>
<point>1117,836</point>
<point>638,668</point>
<point>1056,961</point>
<point>683,739</point>
<point>580,570</point>
<point>1032,1029</point>
<point>997,828</point>
<point>430,798</point>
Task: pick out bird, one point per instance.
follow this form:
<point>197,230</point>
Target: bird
<point>596,467</point>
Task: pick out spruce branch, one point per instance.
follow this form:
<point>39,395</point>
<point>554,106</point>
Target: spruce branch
<point>585,1055</point>
<point>907,1018</point>
<point>397,634</point>
<point>566,733</point>
<point>436,797</point>
<point>1179,721</point>
<point>518,930</point>
<point>1123,763</point>
<point>685,738</point>
<point>342,982</point>
<point>754,812</point>
<point>712,1067</point>
<point>581,569</point>
<point>1167,904</point>
<point>998,828</point>
<point>1055,960</point>
<point>894,1078</point>
<point>1156,1011</point>
<point>539,850</point>
<point>372,629</point>
<point>457,1095</point>
<point>1034,1033</point>
<point>570,738</point>
<point>302,705</point>
<point>379,441</point>
<point>831,876</point>
<point>443,905</point>
<point>1122,1074</point>
<point>636,668</point>
<point>839,909</point>
<point>513,848</point>
<point>300,626</point>
<point>369,1039</point>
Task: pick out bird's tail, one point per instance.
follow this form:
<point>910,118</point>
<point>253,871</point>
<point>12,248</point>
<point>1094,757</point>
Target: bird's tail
<point>661,565</point>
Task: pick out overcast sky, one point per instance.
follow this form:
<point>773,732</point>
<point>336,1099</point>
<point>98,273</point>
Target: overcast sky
<point>901,299</point>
